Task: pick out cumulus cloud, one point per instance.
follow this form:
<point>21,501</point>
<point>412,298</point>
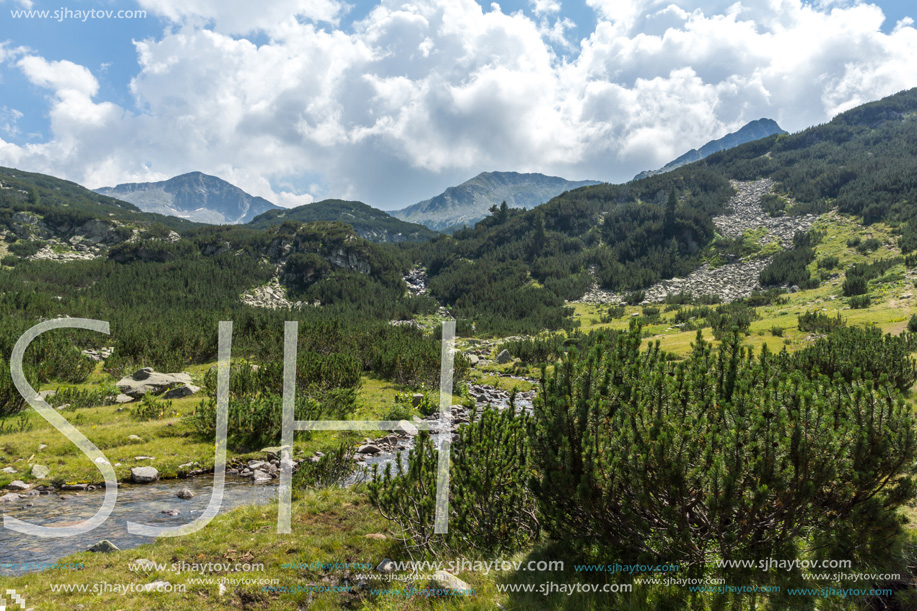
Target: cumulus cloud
<point>422,94</point>
<point>61,76</point>
<point>244,16</point>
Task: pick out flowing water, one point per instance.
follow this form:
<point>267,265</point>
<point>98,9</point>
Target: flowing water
<point>146,503</point>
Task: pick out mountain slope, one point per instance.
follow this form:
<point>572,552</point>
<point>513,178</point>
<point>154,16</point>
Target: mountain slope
<point>194,196</point>
<point>29,190</point>
<point>470,201</point>
<point>369,223</point>
<point>515,270</point>
<point>755,130</point>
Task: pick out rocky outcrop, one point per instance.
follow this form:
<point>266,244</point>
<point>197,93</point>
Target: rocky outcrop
<point>148,381</point>
<point>416,279</point>
<point>272,296</point>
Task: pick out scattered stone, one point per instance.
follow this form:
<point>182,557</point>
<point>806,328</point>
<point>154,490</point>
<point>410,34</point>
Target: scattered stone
<point>386,566</point>
<point>368,449</point>
<point>103,547</point>
<point>377,536</point>
<point>158,586</point>
<point>504,357</point>
<point>134,438</point>
<point>170,512</point>
<point>122,398</point>
<point>144,475</point>
<point>406,427</point>
<point>138,458</point>
<point>260,477</point>
<point>185,493</point>
<point>74,487</point>
<point>738,278</point>
<point>416,399</point>
<point>9,470</point>
<point>18,485</point>
<point>9,497</point>
<point>473,359</point>
<point>40,471</point>
<point>443,580</point>
<point>42,446</point>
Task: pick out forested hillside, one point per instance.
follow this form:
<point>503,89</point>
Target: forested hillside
<point>627,237</point>
<point>369,223</point>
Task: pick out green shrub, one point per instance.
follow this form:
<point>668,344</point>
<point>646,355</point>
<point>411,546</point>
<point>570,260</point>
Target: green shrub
<point>332,469</point>
<point>853,352</point>
<point>25,249</point>
<point>84,397</point>
<point>491,510</point>
<point>868,246</point>
<point>817,322</point>
<point>859,302</point>
<point>637,457</point>
<point>151,408</point>
<point>252,420</point>
<point>912,324</point>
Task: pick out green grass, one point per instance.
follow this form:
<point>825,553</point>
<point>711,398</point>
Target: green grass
<point>171,440</point>
<point>888,310</point>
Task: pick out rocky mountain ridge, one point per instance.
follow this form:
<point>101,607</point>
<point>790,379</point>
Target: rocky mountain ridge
<point>194,196</point>
<point>754,130</point>
<point>469,202</point>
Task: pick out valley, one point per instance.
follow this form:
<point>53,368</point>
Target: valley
<point>709,364</point>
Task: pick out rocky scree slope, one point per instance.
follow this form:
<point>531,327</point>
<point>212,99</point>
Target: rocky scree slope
<point>733,280</point>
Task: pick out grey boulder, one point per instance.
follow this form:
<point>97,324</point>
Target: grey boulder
<point>144,475</point>
<point>148,381</point>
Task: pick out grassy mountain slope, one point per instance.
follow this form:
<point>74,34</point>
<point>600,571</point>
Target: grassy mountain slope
<point>628,236</point>
<point>369,223</point>
<point>29,190</point>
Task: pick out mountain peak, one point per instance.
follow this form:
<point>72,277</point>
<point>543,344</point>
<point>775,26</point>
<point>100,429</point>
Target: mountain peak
<point>469,202</point>
<point>753,130</point>
<point>195,196</point>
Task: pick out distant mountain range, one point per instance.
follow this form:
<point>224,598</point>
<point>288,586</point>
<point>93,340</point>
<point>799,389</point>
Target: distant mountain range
<point>470,201</point>
<point>193,196</point>
<point>207,199</point>
<point>762,128</point>
<point>368,222</point>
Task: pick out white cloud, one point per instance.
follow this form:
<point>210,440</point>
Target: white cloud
<point>8,119</point>
<point>425,93</point>
<point>59,75</point>
<point>542,7</point>
<point>245,16</point>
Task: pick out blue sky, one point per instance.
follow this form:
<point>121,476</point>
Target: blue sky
<point>390,102</point>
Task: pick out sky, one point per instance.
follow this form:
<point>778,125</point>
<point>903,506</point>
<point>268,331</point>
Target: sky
<point>391,102</point>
